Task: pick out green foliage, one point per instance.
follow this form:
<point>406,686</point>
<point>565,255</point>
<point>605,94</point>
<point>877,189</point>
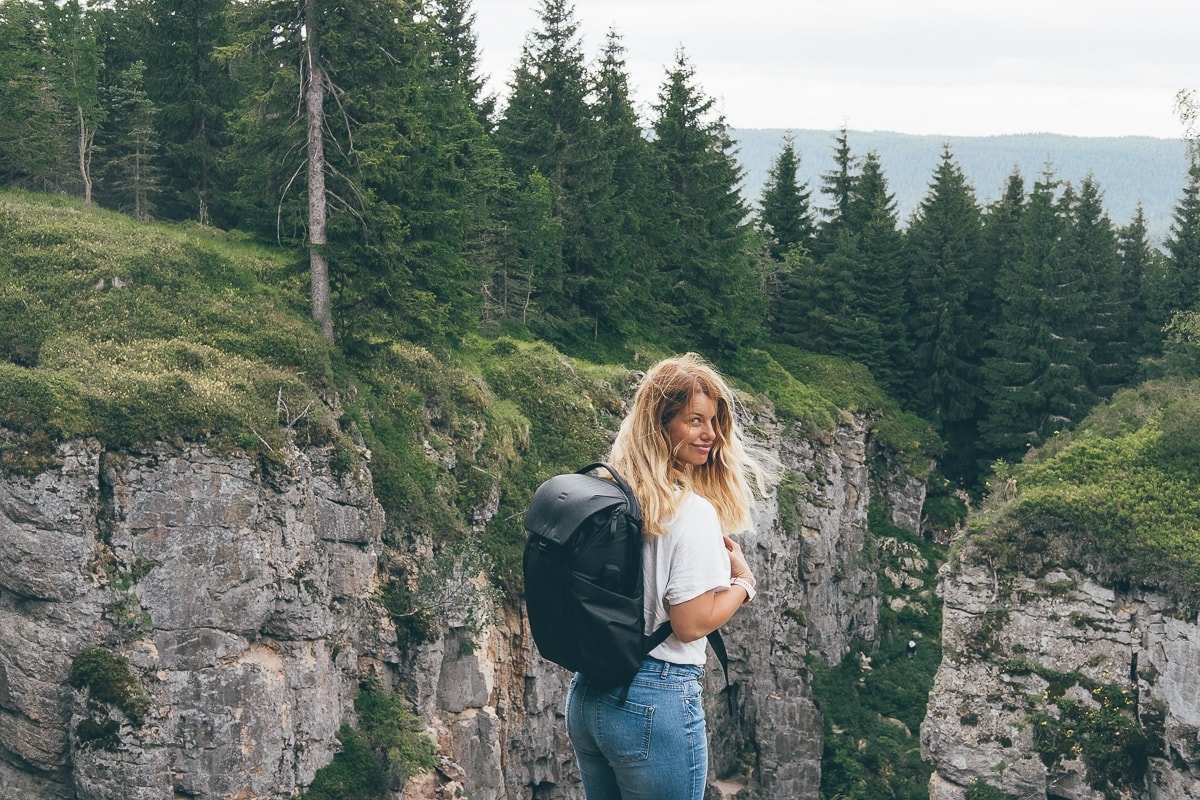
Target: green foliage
<point>132,333</point>
<point>387,748</point>
<point>109,681</point>
<point>873,710</point>
<point>708,292</point>
<point>572,409</point>
<point>1103,731</point>
<point>354,774</point>
<point>818,389</point>
<point>1181,345</point>
<point>405,400</point>
<point>982,790</point>
<point>1118,498</point>
<point>793,399</point>
<point>950,297</point>
<point>943,510</point>
<point>786,217</point>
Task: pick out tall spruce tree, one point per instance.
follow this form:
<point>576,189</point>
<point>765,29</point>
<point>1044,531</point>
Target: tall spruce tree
<point>837,185</point>
<point>1139,261</point>
<point>614,294</point>
<point>458,53</point>
<point>132,177</point>
<point>876,328</point>
<point>523,250</point>
<point>1176,287</point>
<point>943,247</point>
<point>396,189</point>
<point>785,217</point>
<point>816,307</point>
<point>29,121</point>
<point>193,92</point>
<point>1035,381</point>
<point>547,125</point>
<point>1090,248</point>
<point>709,279</point>
<point>420,157</point>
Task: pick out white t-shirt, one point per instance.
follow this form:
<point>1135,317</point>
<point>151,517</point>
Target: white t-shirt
<point>679,565</point>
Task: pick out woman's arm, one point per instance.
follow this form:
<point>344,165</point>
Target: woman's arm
<point>703,614</point>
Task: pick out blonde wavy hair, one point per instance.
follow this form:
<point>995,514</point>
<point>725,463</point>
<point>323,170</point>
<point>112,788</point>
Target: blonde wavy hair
<point>642,451</point>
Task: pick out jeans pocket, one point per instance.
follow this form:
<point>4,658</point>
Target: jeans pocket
<point>624,729</point>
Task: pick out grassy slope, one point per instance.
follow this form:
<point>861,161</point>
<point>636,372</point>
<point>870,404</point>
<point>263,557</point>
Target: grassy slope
<point>1119,497</point>
<point>132,332</point>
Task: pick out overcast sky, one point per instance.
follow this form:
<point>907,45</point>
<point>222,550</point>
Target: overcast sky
<point>946,67</point>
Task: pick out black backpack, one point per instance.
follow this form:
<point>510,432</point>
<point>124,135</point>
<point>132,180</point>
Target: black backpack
<point>583,577</point>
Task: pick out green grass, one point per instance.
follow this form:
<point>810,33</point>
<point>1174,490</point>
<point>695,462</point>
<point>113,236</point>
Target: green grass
<point>1118,498</point>
<point>133,332</point>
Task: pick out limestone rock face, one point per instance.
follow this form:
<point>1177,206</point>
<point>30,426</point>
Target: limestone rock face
<point>1068,651</point>
<point>243,603</point>
<point>240,602</point>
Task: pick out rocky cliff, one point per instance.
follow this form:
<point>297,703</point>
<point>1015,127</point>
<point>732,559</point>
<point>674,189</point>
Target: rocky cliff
<point>224,610</point>
<point>181,623</point>
<point>496,706</point>
<point>1055,687</point>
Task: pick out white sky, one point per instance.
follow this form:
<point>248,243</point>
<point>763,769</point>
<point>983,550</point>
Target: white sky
<point>944,67</point>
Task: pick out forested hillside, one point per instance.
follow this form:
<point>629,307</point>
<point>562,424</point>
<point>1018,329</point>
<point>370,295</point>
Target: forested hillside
<point>427,211</point>
<point>1131,170</point>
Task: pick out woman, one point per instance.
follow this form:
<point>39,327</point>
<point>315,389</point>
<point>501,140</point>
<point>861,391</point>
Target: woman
<point>681,451</point>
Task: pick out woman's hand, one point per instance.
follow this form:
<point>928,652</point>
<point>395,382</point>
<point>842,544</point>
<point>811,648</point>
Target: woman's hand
<point>702,615</point>
<point>738,567</point>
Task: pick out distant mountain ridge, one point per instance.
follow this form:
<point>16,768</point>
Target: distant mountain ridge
<point>1129,169</point>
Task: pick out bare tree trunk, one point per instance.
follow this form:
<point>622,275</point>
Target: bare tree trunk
<point>85,156</point>
<point>314,97</point>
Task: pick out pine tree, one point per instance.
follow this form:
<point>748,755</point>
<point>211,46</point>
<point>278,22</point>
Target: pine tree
<point>29,139</point>
<point>400,144</point>
<point>1070,294</point>
<point>838,186</point>
<point>1034,379</point>
<point>547,126</point>
<point>709,279</point>
<point>524,251</point>
<point>72,29</point>
<point>1139,261</point>
<point>458,53</point>
<point>877,328</point>
<point>786,216</point>
<point>1177,286</point>
<point>194,94</point>
<point>614,294</point>
<point>817,307</point>
<point>131,172</point>
<point>943,246</point>
<point>420,157</point>
<point>1091,250</point>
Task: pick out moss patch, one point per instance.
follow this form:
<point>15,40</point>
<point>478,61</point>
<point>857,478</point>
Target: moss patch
<point>109,682</point>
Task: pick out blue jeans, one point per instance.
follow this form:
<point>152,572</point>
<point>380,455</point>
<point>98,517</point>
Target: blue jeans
<point>652,746</point>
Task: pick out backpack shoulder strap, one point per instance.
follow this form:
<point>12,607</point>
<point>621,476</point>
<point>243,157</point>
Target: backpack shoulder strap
<point>714,640</point>
<point>635,508</point>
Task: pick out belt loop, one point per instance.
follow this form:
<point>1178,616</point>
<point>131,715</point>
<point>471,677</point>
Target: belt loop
<point>666,670</point>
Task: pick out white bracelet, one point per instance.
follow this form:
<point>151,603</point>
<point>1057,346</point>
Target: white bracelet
<point>745,583</point>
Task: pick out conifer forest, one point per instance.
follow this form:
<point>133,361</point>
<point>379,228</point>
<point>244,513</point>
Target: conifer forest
<point>422,208</point>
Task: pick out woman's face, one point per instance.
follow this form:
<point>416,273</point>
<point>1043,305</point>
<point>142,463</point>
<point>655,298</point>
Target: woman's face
<point>692,433</point>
